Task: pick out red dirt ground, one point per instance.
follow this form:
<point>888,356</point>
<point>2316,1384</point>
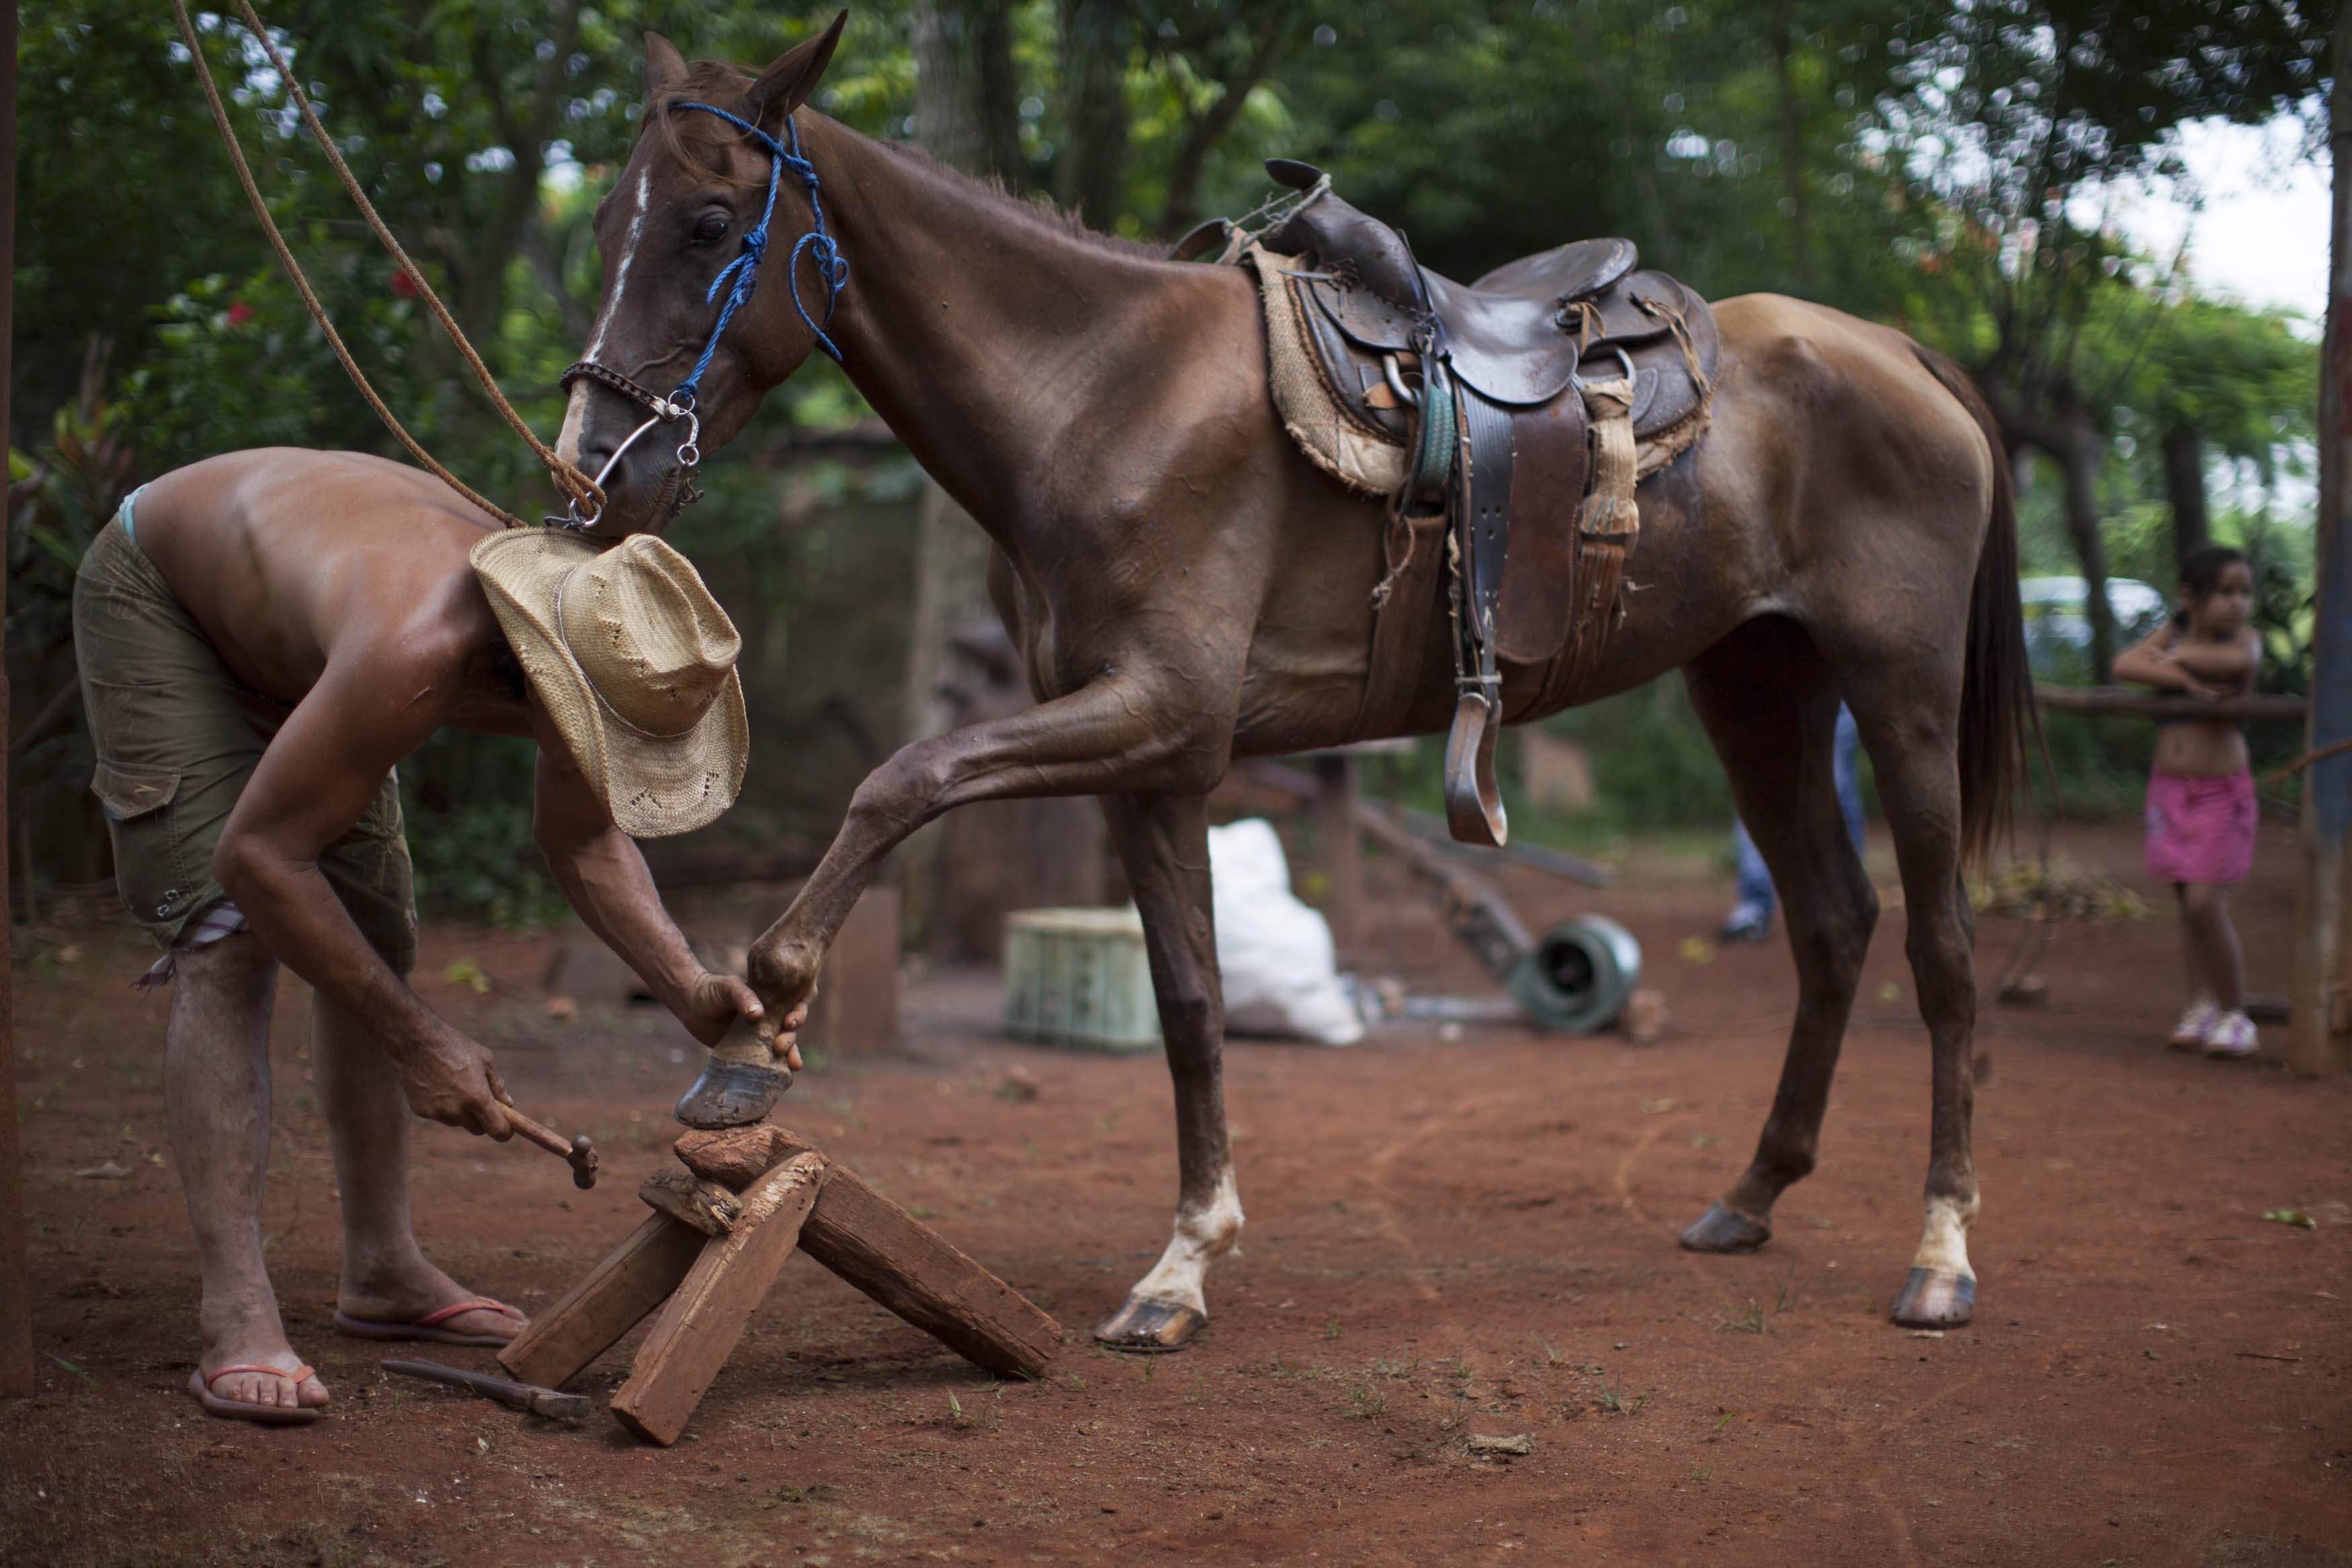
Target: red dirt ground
<point>1445,1239</point>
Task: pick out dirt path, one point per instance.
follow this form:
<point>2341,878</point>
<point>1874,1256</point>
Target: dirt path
<point>1446,1240</point>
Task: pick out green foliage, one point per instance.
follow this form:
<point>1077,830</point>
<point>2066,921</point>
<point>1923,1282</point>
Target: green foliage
<point>479,862</point>
<point>1937,163</point>
<point>1652,764</point>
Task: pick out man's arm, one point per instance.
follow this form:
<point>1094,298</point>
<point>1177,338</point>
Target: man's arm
<point>604,877</point>
<point>317,779</point>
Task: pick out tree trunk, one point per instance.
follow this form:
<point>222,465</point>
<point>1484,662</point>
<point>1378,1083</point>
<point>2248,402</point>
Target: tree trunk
<point>967,96</point>
<point>483,287</point>
<point>968,116</point>
<point>2319,1022</point>
<point>1089,170</point>
<point>1209,128</point>
<point>2081,450</point>
<point>1792,147</point>
<point>2184,486</point>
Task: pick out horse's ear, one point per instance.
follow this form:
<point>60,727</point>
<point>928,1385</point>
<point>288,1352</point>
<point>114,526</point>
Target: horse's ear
<point>665,66</point>
<point>786,85</point>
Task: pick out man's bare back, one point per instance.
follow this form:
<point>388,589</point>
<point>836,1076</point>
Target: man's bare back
<point>287,558</point>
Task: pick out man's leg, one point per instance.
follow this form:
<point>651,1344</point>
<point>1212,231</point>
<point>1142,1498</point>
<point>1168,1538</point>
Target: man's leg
<point>1845,748</point>
<point>216,1104</point>
<point>386,1278</point>
<point>1751,919</point>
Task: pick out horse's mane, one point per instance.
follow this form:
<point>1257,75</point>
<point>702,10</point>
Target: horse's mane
<point>687,136</point>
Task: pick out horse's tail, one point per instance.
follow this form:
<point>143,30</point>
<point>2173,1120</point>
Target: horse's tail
<point>2001,724</point>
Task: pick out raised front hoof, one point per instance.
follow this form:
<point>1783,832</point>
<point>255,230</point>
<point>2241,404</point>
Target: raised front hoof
<point>1723,1228</point>
<point>1934,1299</point>
<point>1147,1327</point>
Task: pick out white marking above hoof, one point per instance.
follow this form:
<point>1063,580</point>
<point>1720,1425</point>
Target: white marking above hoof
<point>1943,1246</point>
<point>1202,1236</point>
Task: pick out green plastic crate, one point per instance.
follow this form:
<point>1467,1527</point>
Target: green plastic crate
<point>1078,978</point>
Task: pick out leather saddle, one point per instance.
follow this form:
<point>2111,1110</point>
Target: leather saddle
<point>1475,382</point>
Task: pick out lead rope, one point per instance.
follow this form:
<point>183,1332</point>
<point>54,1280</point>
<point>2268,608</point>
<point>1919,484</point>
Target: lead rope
<point>575,485</point>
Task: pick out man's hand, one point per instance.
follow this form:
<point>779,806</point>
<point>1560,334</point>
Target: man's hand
<point>713,1003</point>
<point>787,1043</point>
<point>453,1080</point>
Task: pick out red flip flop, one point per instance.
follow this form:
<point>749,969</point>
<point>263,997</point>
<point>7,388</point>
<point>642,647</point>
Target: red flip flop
<point>427,1327</point>
<point>246,1409</point>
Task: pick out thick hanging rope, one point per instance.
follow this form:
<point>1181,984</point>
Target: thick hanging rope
<point>568,478</point>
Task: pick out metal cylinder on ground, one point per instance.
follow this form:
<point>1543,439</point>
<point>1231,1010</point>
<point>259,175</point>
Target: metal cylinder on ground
<point>1578,975</point>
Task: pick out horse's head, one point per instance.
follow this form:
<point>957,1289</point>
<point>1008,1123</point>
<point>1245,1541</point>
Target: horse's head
<point>709,204</point>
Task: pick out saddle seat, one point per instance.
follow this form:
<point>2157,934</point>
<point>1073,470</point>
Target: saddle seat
<point>1517,336</point>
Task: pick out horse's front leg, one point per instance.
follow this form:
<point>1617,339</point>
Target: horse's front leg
<point>1163,841</point>
<point>1121,732</point>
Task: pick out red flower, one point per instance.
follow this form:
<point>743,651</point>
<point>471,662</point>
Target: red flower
<point>404,285</point>
<point>239,312</point>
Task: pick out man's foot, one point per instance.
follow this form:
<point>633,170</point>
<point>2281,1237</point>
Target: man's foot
<point>1746,923</point>
<point>256,1376</point>
<point>418,1302</point>
<point>2197,1021</point>
<point>2231,1038</point>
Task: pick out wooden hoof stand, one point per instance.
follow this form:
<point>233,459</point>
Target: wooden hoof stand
<point>712,1248</point>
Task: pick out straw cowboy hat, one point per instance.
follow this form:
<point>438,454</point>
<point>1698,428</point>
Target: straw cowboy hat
<point>635,663</point>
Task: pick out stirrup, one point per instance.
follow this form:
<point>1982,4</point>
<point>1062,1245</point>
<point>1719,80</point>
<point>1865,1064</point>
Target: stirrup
<point>1474,806</point>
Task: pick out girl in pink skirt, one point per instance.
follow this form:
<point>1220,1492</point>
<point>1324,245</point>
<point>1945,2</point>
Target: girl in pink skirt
<point>2200,795</point>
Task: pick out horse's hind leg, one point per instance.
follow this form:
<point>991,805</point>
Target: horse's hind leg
<point>1765,697</point>
<point>1910,733</point>
<point>1163,841</point>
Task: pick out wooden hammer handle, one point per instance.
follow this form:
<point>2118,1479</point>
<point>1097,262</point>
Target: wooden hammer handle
<point>546,1138</point>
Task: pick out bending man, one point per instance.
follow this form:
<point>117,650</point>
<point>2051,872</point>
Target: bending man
<point>262,636</point>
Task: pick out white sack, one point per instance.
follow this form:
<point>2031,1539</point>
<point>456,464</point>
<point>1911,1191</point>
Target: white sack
<point>1280,974</point>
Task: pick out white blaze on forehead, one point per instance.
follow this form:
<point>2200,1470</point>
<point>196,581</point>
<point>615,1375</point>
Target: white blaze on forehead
<point>1202,1234</point>
<point>1944,1246</point>
<point>621,274</point>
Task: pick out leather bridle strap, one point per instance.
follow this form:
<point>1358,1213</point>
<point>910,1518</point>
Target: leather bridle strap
<point>605,376</point>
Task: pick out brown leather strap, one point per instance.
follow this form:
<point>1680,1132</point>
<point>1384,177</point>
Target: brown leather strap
<point>1605,530</point>
<point>1401,609</point>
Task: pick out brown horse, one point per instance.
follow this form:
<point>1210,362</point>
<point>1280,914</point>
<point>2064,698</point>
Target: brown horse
<point>1188,588</point>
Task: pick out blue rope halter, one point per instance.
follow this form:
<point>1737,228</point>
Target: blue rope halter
<point>831,270</point>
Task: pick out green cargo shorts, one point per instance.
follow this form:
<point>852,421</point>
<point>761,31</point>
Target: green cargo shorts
<point>177,735</point>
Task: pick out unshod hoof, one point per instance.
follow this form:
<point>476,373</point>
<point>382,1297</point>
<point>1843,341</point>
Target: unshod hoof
<point>1934,1299</point>
<point>1147,1327</point>
<point>1723,1228</point>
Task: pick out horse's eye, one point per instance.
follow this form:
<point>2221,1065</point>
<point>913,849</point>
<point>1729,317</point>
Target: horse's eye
<point>711,229</point>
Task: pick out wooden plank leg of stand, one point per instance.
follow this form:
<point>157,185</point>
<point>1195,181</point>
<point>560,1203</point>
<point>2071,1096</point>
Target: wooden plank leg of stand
<point>704,1320</point>
<point>611,1299</point>
<point>908,1267</point>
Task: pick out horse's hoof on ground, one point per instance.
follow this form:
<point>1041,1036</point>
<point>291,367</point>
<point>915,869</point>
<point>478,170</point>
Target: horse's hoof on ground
<point>1723,1228</point>
<point>1934,1299</point>
<point>1147,1327</point>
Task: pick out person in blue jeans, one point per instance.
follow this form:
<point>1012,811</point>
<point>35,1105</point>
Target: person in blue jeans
<point>1751,919</point>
